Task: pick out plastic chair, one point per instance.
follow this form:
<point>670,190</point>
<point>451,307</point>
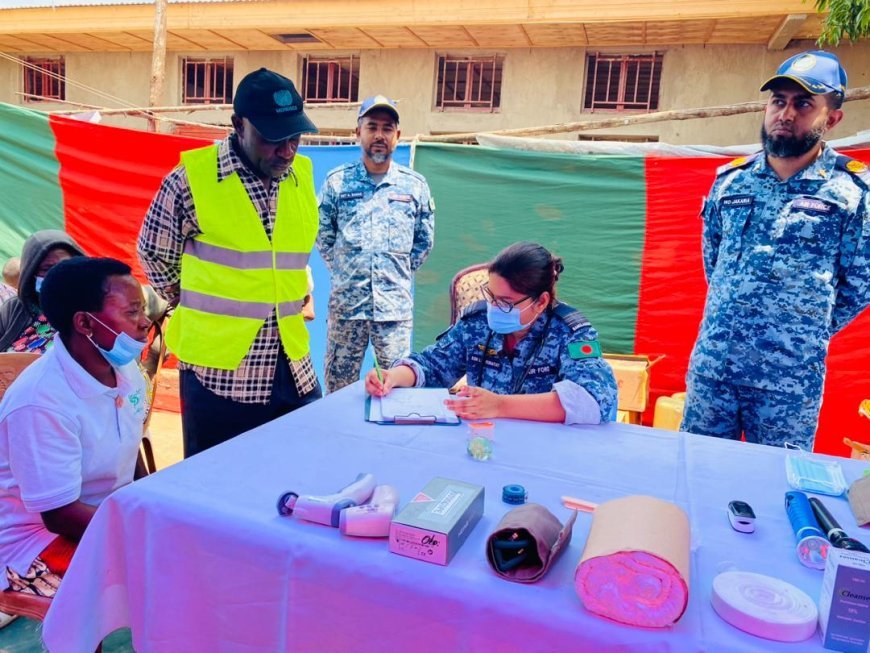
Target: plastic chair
<point>465,288</point>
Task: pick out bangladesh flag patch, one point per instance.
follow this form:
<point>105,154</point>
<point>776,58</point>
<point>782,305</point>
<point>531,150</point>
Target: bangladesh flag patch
<point>584,349</point>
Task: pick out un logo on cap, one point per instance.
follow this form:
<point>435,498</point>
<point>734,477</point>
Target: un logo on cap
<point>283,98</point>
<point>805,63</point>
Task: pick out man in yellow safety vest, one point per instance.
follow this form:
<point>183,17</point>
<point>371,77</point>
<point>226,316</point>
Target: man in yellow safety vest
<point>227,238</point>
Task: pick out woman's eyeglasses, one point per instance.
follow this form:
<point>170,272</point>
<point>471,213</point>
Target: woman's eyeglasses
<point>501,304</point>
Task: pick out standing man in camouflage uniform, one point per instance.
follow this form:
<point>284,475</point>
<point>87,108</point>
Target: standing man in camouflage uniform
<point>786,246</point>
<point>377,226</point>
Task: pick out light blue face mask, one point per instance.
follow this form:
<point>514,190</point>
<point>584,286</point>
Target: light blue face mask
<point>505,323</point>
<point>125,350</point>
<point>37,284</point>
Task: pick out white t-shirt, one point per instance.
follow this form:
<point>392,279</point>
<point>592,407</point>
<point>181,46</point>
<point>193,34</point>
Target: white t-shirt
<point>64,436</point>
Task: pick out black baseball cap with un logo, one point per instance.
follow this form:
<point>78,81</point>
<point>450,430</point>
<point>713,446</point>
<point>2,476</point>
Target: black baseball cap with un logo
<point>272,104</point>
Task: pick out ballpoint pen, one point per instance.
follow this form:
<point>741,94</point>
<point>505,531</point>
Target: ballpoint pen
<point>378,370</point>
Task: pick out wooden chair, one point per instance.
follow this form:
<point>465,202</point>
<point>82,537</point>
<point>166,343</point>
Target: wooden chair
<point>464,291</point>
<point>11,365</point>
<point>28,605</point>
<point>151,368</point>
<point>158,311</point>
<point>465,288</point>
<point>24,605</point>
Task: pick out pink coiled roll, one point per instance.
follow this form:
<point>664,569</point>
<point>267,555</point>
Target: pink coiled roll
<point>635,566</point>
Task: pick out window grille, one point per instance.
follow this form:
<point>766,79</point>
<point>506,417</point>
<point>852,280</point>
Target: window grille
<point>207,81</point>
<point>623,82</point>
<point>44,79</point>
<point>469,83</point>
<point>328,80</point>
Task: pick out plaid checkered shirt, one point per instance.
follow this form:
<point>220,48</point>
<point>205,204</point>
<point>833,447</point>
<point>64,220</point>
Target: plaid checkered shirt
<point>170,221</point>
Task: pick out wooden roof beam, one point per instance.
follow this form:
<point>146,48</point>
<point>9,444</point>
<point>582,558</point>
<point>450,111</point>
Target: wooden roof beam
<point>292,15</point>
<point>789,26</point>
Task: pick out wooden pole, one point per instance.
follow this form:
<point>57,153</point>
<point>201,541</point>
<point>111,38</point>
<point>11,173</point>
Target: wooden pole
<point>158,59</point>
<point>184,108</point>
<point>187,108</point>
<point>634,119</point>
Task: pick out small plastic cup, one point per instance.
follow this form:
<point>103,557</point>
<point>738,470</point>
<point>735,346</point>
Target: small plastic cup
<point>479,440</point>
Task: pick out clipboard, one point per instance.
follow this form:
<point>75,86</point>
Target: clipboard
<point>373,414</point>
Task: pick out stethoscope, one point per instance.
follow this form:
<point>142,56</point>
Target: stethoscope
<point>518,384</point>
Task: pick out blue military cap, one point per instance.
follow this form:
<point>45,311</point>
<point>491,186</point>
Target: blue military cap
<point>817,71</point>
<point>379,102</point>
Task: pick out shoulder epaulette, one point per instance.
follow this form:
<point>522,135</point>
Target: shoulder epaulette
<point>468,311</point>
<point>739,162</point>
<point>570,316</point>
<point>473,308</point>
<point>413,173</point>
<point>854,167</point>
<point>341,168</point>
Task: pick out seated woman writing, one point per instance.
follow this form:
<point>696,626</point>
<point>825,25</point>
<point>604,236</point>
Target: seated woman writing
<point>526,355</point>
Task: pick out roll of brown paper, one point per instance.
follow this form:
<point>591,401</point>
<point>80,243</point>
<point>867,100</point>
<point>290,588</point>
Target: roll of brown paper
<point>635,566</point>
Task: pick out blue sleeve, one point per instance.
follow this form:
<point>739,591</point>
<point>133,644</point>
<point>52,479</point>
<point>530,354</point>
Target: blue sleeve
<point>328,211</point>
<point>444,362</point>
<point>711,234</point>
<point>594,375</point>
<point>853,289</point>
<point>424,229</point>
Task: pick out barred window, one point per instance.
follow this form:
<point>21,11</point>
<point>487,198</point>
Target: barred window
<point>207,81</point>
<point>44,78</point>
<point>623,82</point>
<point>333,79</point>
<point>469,83</point>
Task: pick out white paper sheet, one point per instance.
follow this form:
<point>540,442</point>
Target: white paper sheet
<point>411,403</point>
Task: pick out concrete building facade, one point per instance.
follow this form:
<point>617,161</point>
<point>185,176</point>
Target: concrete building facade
<point>539,85</point>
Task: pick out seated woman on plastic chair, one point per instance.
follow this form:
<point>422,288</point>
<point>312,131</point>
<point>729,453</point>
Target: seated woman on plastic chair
<point>71,423</point>
<point>526,355</point>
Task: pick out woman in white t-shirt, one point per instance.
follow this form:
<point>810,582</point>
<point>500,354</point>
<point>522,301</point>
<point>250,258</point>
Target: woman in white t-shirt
<point>71,424</point>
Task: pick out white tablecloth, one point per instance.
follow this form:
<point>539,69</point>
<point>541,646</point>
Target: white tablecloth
<point>196,559</point>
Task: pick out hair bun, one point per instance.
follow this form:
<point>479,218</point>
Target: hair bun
<point>558,268</point>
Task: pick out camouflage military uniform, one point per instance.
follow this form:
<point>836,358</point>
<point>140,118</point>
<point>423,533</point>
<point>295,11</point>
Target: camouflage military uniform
<point>788,265</point>
<point>560,353</point>
<point>372,238</point>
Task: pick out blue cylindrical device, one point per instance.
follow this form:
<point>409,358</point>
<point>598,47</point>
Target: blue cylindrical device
<point>812,545</point>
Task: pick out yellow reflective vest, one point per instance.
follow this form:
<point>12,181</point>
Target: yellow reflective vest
<point>232,275</point>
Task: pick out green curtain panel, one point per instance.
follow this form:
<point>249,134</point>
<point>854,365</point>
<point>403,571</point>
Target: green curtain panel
<point>589,210</point>
<point>30,194</point>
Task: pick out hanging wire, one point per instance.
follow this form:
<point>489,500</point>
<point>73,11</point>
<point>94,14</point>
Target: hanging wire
<point>143,112</point>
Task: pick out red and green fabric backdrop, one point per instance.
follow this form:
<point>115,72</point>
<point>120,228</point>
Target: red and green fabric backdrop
<point>627,228</point>
<point>629,231</point>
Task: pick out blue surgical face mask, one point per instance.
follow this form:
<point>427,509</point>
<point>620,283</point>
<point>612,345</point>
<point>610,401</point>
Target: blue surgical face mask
<point>505,323</point>
<point>125,350</point>
<point>37,284</point>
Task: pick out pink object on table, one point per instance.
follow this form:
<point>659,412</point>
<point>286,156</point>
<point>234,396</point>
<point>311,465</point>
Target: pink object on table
<point>635,566</point>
